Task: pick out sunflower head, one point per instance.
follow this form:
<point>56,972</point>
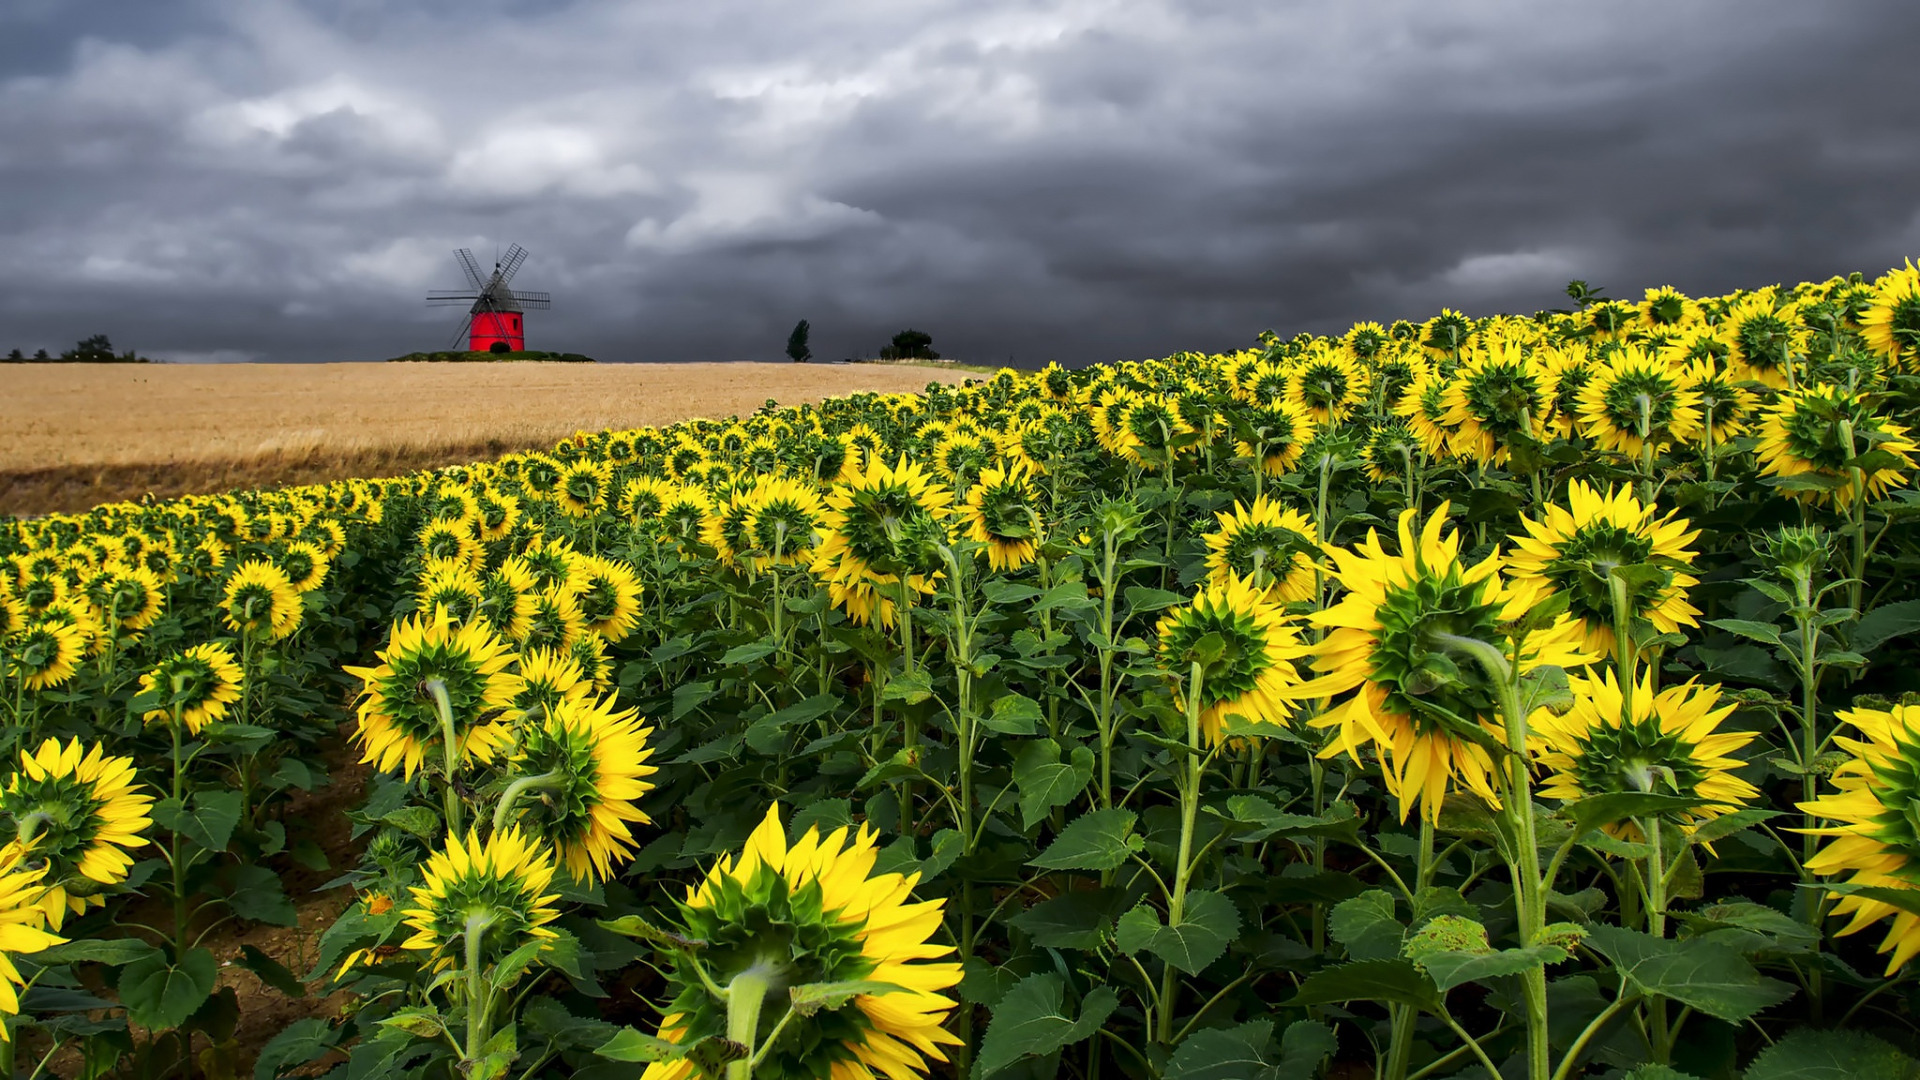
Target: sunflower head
<point>77,812</point>
<point>1635,400</point>
<point>1890,322</point>
<point>785,521</point>
<point>1268,544</point>
<point>880,524</point>
<point>45,654</point>
<point>1823,441</point>
<point>1244,647</point>
<point>305,565</point>
<point>588,764</point>
<point>1001,514</point>
<point>1874,835</point>
<point>781,915</point>
<point>1669,743</point>
<point>197,685</point>
<point>608,597</point>
<point>1581,548</point>
<point>260,600</point>
<point>495,892</point>
<point>400,716</point>
<point>126,597</point>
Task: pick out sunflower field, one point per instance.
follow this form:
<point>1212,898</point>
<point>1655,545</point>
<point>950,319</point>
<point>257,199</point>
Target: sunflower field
<point>1515,697</point>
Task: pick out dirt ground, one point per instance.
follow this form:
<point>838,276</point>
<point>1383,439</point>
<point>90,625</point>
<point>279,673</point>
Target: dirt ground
<point>75,435</point>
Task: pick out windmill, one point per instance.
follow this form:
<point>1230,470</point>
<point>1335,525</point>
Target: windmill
<point>493,323</point>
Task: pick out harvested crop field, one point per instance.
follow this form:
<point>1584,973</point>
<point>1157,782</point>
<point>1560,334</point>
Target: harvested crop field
<point>80,434</point>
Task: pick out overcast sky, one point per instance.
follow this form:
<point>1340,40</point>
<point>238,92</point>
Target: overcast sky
<point>263,179</point>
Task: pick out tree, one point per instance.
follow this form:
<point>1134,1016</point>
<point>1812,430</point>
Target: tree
<point>92,350</point>
<point>910,345</point>
<point>41,355</point>
<point>797,343</point>
<point>16,356</point>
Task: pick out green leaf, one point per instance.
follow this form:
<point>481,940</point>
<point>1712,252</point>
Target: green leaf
<point>1708,976</point>
<point>1657,1072</point>
<point>1030,1021</point>
<point>303,1041</point>
<point>1007,593</point>
<point>418,820</point>
<point>630,1045</point>
<point>748,653</point>
<point>1014,714</point>
<point>1080,919</point>
<point>161,996</point>
<point>255,893</point>
<point>1727,824</point>
<point>1395,982</point>
<point>1883,624</point>
<point>1264,820</point>
<point>1766,633</point>
<point>210,821</point>
<point>113,952</point>
<point>1223,1054</point>
<point>1451,969</point>
<point>1068,595</point>
<point>1045,781</point>
<point>1812,1054</point>
<point>811,998</point>
<point>1367,926</point>
<point>1304,1046</point>
<point>1207,925</point>
<point>1613,807</point>
<point>825,815</point>
<point>912,688</point>
<point>1141,600</point>
<point>634,926</point>
<point>420,1021</point>
<point>271,971</point>
<point>1097,840</point>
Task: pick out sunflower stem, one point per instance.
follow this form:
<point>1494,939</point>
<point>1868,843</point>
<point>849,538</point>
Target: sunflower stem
<point>1656,886</point>
<point>1404,1017</point>
<point>477,1007</point>
<point>450,798</point>
<point>1182,867</point>
<point>503,813</point>
<point>746,994</point>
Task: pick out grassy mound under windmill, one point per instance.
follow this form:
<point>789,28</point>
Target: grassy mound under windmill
<point>482,356</point>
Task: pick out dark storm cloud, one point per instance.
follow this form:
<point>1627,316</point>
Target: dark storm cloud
<point>1086,179</point>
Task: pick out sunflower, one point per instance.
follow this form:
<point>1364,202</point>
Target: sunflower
<point>643,497</point>
<point>785,522</point>
<point>1279,435</point>
<point>450,584</point>
<point>553,621</point>
<point>1875,840</point>
<point>259,600</point>
<point>1270,545</point>
<point>499,513</point>
<point>496,890</point>
<point>441,539</point>
<point>1670,745</point>
<point>507,598</point>
<point>1418,700</point>
<point>46,654</point>
<point>1577,547</point>
<point>78,813</point>
<point>813,911</point>
<point>1767,339</point>
<point>305,564</point>
<point>1891,322</point>
<point>547,678</point>
<point>880,525</point>
<point>1725,407</point>
<point>13,615</point>
<point>454,502</point>
<point>554,564</point>
<point>1446,334</point>
<point>683,513</point>
<point>1326,386</point>
<point>582,491</point>
<point>126,597</point>
<point>1495,399</point>
<point>399,719</point>
<point>22,922</point>
<point>1635,400</point>
<point>608,597</point>
<point>1821,434</point>
<point>200,683</point>
<point>1000,515</point>
<point>1667,306</point>
<point>586,764</point>
<point>725,528</point>
<point>1425,409</point>
<point>589,651</point>
<point>1251,676</point>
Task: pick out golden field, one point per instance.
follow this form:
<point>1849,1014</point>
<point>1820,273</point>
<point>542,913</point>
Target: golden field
<point>76,435</point>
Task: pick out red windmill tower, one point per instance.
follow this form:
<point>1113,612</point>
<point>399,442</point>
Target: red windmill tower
<point>495,321</point>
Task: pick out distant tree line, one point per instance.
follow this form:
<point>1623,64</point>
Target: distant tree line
<point>93,350</point>
<point>906,345</point>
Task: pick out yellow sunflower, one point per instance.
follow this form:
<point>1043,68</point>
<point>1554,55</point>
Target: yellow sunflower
<point>496,890</point>
<point>305,564</point>
<point>1874,841</point>
<point>78,812</point>
<point>547,678</point>
<point>1816,437</point>
<point>1891,323</point>
<point>1250,678</point>
<point>46,654</point>
<point>399,718</point>
<point>813,911</point>
<point>1635,400</point>
<point>259,600</point>
<point>608,597</point>
<point>200,683</point>
<point>1670,745</point>
<point>1420,701</point>
<point>1270,545</point>
<point>1496,398</point>
<point>584,763</point>
<point>22,922</point>
<point>1000,514</point>
<point>785,522</point>
<point>1576,548</point>
<point>1768,341</point>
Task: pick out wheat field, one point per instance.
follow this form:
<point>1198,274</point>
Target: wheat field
<point>80,434</point>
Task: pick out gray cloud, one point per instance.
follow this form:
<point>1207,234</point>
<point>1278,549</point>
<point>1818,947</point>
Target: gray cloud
<point>1078,179</point>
